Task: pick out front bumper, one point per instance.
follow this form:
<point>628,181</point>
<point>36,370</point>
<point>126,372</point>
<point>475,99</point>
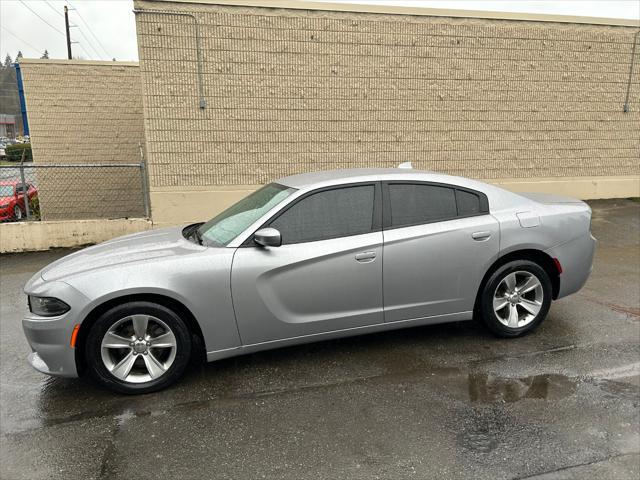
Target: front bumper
<point>50,337</point>
<point>50,344</point>
<point>36,362</point>
<point>6,214</point>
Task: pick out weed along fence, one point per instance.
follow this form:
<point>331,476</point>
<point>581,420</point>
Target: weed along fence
<point>51,192</point>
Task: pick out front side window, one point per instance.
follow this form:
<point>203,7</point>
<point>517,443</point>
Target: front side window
<point>328,214</point>
<point>220,230</point>
<point>414,204</point>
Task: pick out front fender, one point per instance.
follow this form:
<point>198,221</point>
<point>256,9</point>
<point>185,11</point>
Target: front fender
<point>201,283</point>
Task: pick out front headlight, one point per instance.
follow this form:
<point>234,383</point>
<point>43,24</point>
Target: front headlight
<point>4,205</point>
<point>47,306</point>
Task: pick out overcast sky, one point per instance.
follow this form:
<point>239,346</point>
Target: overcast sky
<point>105,29</point>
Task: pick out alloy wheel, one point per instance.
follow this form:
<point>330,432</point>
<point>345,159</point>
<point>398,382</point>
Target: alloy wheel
<point>138,348</point>
<point>17,213</point>
<point>518,299</point>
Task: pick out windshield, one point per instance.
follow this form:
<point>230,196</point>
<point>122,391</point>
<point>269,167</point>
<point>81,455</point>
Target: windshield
<point>220,230</point>
<point>6,191</point>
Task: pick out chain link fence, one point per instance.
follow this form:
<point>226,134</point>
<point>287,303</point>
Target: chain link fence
<point>32,192</point>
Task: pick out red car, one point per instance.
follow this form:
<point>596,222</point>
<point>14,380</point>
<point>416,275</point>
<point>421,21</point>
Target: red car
<point>12,205</point>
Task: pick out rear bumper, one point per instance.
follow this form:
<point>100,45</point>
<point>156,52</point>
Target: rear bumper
<point>576,258</point>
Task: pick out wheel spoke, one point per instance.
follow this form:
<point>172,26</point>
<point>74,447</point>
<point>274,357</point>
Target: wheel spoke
<point>132,354</point>
<point>513,316</point>
<point>154,366</point>
<point>113,340</point>
<point>122,369</point>
<point>140,325</point>
<point>510,281</point>
<point>499,303</point>
<point>166,340</point>
<point>530,284</point>
<point>530,306</point>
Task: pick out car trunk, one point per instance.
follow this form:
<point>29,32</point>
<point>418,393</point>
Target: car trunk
<point>550,199</point>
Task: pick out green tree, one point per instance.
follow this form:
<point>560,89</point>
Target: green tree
<point>7,61</point>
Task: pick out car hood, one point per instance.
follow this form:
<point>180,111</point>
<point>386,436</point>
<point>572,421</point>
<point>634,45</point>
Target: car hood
<point>4,200</point>
<point>139,247</point>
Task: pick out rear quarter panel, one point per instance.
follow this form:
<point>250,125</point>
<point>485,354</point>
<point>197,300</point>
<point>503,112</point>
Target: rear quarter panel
<point>562,231</point>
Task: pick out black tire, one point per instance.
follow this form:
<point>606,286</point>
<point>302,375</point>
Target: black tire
<point>93,347</point>
<point>17,213</point>
<point>490,317</point>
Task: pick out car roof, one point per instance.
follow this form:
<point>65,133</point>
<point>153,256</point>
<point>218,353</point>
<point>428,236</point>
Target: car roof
<point>354,175</point>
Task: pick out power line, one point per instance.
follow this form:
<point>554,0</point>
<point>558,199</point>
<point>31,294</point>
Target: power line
<point>88,43</point>
<point>83,49</point>
<point>20,39</point>
<point>90,31</point>
<point>53,8</point>
<point>36,14</point>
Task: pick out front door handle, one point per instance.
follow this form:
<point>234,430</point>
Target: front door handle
<point>480,236</point>
<point>365,257</point>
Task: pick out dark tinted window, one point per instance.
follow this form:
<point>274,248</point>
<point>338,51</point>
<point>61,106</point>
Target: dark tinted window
<point>468,203</point>
<point>328,214</point>
<point>415,204</point>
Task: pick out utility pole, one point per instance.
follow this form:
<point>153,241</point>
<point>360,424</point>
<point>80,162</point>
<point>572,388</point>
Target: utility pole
<point>66,26</point>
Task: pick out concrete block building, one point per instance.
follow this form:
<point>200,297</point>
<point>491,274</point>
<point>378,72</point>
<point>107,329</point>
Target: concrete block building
<point>85,112</point>
<point>240,92</point>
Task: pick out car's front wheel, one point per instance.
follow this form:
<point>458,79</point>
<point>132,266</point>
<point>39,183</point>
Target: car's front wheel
<point>138,347</point>
<point>17,213</point>
<point>516,298</point>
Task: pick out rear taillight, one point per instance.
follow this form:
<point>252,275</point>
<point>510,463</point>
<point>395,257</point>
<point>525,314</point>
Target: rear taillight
<point>558,266</point>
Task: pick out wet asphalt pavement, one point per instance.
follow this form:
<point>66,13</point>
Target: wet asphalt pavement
<point>447,401</point>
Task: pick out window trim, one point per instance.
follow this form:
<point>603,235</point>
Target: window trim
<point>376,221</point>
<point>386,201</point>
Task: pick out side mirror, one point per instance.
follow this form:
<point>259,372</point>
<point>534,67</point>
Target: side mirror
<point>268,237</point>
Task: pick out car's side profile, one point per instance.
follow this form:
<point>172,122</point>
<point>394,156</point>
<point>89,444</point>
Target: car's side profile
<point>308,257</point>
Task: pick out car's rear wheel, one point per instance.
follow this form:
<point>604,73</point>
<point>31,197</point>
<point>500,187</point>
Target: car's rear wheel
<point>17,213</point>
<point>516,298</point>
<point>138,347</point>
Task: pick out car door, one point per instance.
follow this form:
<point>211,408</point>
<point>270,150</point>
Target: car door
<point>438,242</point>
<point>326,275</point>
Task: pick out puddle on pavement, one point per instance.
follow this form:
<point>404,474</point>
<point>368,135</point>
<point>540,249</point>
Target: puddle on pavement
<point>626,388</point>
<point>488,388</point>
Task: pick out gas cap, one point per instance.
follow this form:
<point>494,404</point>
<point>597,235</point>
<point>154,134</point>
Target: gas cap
<point>528,219</point>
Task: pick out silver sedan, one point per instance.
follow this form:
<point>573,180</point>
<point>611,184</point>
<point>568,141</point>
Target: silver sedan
<point>307,258</point>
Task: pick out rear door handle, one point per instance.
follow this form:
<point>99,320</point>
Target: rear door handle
<point>365,257</point>
<point>479,236</point>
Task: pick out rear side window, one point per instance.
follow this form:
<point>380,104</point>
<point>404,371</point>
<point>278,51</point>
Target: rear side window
<point>413,204</point>
<point>468,203</point>
<point>328,214</point>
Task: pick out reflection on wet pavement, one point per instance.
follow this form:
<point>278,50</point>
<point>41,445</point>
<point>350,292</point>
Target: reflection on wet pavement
<point>488,388</point>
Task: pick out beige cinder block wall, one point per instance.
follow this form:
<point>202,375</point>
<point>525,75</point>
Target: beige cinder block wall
<point>533,105</point>
<point>85,112</point>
